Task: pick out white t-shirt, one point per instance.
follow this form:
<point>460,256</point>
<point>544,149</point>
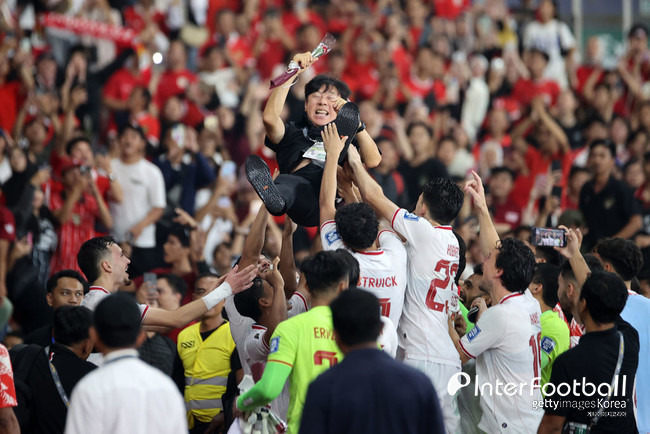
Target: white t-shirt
<point>381,272</point>
<point>144,188</point>
<point>553,38</point>
<point>505,343</point>
<point>431,294</point>
<point>96,294</point>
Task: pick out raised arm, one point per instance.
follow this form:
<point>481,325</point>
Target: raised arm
<point>254,242</point>
<point>371,192</point>
<point>279,309</point>
<point>572,252</point>
<point>333,148</point>
<point>271,116</point>
<point>287,261</point>
<point>488,235</point>
<point>235,282</point>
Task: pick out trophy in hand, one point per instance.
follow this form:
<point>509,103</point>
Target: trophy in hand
<point>324,47</point>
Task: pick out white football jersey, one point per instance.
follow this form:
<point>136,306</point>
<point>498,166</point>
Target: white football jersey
<point>252,350</point>
<point>381,272</point>
<point>96,294</point>
<point>505,343</point>
<point>431,294</point>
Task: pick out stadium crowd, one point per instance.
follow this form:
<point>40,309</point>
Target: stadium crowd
<point>143,153</point>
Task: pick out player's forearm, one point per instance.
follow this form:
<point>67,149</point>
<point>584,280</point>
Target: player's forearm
<point>579,267</point>
<point>488,234</point>
<point>288,264</point>
<point>267,389</point>
<point>275,104</point>
<point>328,188</point>
<point>368,187</point>
<point>368,149</point>
<point>189,312</point>
<point>255,240</point>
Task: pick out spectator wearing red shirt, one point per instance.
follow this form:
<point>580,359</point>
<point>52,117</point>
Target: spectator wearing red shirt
<point>594,52</point>
<point>177,78</point>
<point>425,78</point>
<point>361,73</point>
<point>138,105</point>
<point>578,176</point>
<point>142,15</point>
<point>498,125</point>
<point>12,92</point>
<point>237,46</point>
<point>272,43</point>
<point>505,213</point>
<point>75,210</point>
<point>526,89</point>
<point>119,87</point>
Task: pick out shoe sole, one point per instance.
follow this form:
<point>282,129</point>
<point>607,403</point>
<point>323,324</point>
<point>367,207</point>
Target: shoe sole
<point>347,123</point>
<point>259,175</point>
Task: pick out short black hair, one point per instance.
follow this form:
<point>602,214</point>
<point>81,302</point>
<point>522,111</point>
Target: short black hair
<point>503,169</point>
<point>354,272</point>
<point>624,255</point>
<point>593,263</point>
<point>605,294</point>
<point>323,271</point>
<point>182,234</point>
<point>72,274</point>
<point>247,301</point>
<point>517,262</point>
<point>70,324</point>
<point>73,142</point>
<point>357,225</point>
<point>321,80</point>
<point>410,127</point>
<point>478,269</point>
<point>462,260</point>
<point>176,283</point>
<point>134,127</point>
<point>576,170</point>
<point>549,254</point>
<point>443,198</point>
<point>605,143</point>
<point>145,93</point>
<point>117,321</point>
<point>636,29</point>
<point>355,316</point>
<point>547,275</point>
<point>91,254</point>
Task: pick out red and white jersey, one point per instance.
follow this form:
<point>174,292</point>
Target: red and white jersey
<point>506,345</point>
<point>381,272</point>
<point>96,294</point>
<point>431,294</point>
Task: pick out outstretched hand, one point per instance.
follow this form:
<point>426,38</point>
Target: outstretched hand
<point>474,187</point>
<point>334,144</point>
<point>573,242</point>
<point>353,156</point>
<point>241,280</point>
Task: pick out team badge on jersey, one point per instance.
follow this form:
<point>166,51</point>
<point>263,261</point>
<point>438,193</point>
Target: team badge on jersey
<point>473,333</point>
<point>412,217</point>
<point>547,344</point>
<point>275,344</point>
<point>332,237</point>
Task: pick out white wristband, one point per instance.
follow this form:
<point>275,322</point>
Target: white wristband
<point>217,296</point>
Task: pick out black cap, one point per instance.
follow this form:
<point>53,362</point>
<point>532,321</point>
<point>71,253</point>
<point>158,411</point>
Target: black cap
<point>117,321</point>
<point>637,30</point>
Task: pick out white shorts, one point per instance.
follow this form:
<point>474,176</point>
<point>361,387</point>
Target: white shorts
<point>440,375</point>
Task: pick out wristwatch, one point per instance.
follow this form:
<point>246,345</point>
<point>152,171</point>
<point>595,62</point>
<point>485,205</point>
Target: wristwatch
<point>362,127</point>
